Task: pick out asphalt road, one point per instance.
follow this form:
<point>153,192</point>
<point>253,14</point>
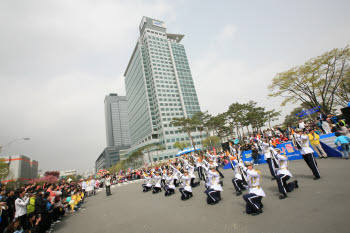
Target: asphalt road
<point>317,206</point>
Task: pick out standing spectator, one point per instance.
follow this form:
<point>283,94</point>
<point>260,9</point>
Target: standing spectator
<point>3,214</point>
<point>21,208</point>
<point>92,184</point>
<point>31,205</point>
<point>316,145</point>
<point>10,202</point>
<point>255,154</point>
<point>345,144</point>
<point>108,184</point>
<point>83,186</point>
<point>319,125</point>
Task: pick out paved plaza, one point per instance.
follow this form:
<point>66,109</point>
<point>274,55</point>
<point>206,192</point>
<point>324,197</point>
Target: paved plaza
<point>317,206</point>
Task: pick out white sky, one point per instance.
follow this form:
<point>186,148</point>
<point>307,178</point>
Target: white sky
<point>58,60</point>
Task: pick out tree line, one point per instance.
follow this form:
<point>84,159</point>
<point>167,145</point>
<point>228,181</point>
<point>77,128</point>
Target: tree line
<point>322,81</point>
<point>231,123</point>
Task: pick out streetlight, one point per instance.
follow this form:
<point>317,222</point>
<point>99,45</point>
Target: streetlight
<point>15,140</point>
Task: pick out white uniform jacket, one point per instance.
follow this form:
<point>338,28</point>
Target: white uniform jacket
<point>214,181</point>
<point>156,181</point>
<point>253,179</point>
<point>283,162</point>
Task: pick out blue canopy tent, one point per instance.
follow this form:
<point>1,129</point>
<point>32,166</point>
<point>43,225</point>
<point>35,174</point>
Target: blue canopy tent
<point>186,151</point>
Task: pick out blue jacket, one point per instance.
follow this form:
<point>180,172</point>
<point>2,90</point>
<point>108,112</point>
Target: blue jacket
<point>342,139</point>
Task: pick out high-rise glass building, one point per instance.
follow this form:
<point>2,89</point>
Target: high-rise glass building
<point>159,87</point>
<point>117,124</point>
<point>117,131</point>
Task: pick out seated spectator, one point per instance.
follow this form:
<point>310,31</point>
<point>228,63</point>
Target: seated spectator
<point>342,129</point>
<point>344,142</point>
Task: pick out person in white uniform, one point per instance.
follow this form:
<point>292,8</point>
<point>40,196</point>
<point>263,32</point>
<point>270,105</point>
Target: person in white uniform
<point>206,173</point>
<point>267,150</point>
<point>214,158</point>
<point>256,193</point>
<point>283,175</point>
<point>186,189</point>
<point>214,190</point>
<point>164,174</point>
<point>302,143</point>
<point>237,180</point>
<point>176,179</point>
<point>169,186</point>
<point>147,185</point>
<point>157,187</point>
<point>190,169</point>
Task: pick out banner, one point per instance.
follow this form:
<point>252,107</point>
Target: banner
<point>327,142</point>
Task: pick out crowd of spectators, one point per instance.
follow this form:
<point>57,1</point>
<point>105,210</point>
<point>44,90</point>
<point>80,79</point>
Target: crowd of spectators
<point>37,208</point>
<point>312,127</point>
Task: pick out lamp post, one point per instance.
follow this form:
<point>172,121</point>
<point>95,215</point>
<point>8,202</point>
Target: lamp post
<point>11,142</point>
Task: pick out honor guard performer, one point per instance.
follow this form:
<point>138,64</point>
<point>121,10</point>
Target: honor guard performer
<point>237,180</point>
<point>283,174</point>
<point>256,193</point>
<point>301,142</point>
<point>147,186</point>
<point>214,188</point>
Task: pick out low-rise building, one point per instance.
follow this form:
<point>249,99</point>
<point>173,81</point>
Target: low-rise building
<point>68,173</point>
<point>20,168</point>
<point>109,157</point>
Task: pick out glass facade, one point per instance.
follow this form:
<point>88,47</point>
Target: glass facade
<point>185,78</point>
<point>159,87</point>
<point>117,124</point>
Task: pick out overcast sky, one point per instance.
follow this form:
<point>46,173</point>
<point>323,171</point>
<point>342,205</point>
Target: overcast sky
<point>58,60</point>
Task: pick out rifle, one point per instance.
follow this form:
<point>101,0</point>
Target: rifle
<point>273,157</point>
<point>243,173</point>
<point>296,143</point>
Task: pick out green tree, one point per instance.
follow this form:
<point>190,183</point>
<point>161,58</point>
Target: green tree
<point>257,117</point>
<point>218,125</point>
<point>343,94</point>
<point>235,115</point>
<point>181,145</point>
<point>118,166</point>
<point>134,159</point>
<point>187,125</point>
<point>292,118</point>
<point>211,141</point>
<point>199,120</point>
<point>321,81</point>
<point>4,169</point>
<point>208,124</point>
<point>272,115</point>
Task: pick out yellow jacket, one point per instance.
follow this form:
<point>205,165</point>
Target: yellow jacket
<point>314,138</point>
